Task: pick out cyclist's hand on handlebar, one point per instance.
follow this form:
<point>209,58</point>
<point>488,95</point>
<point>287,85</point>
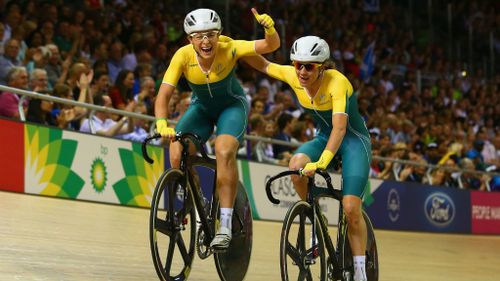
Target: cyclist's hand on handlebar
<point>309,169</point>
<point>323,162</point>
<point>265,20</point>
<point>163,129</point>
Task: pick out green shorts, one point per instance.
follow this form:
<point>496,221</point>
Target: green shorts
<point>229,120</point>
<point>356,156</point>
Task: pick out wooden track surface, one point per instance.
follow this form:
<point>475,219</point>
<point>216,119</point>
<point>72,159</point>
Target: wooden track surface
<point>45,238</point>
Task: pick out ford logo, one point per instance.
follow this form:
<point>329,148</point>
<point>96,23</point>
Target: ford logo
<point>439,209</point>
<point>393,205</point>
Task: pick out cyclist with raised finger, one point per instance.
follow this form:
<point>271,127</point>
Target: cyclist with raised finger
<point>218,99</point>
<point>327,95</point>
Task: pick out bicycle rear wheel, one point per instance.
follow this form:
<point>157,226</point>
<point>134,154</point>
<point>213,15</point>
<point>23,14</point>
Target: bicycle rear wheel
<point>232,265</point>
<point>371,252</point>
<point>299,260</point>
<point>172,228</point>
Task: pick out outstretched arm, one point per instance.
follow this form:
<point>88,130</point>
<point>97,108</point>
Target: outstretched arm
<point>258,62</point>
<point>272,39</point>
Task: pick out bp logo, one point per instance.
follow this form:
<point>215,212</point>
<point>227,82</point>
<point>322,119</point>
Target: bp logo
<point>98,175</point>
<point>393,205</point>
<point>439,209</point>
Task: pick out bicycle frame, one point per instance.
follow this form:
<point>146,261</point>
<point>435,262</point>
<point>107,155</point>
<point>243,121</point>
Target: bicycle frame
<point>189,175</point>
<point>314,193</point>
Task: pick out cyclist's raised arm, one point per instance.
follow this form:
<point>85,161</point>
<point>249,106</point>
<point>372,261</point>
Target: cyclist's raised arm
<point>272,39</point>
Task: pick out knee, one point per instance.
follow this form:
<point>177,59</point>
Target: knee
<point>298,161</point>
<point>352,211</point>
<point>225,154</point>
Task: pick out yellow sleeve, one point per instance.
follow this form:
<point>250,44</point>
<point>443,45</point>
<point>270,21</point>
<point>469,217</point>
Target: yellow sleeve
<point>342,90</point>
<point>175,69</point>
<point>281,72</point>
<point>243,48</point>
<point>224,38</point>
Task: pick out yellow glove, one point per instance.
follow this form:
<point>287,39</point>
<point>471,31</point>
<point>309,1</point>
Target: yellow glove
<point>325,159</point>
<point>266,21</point>
<point>163,129</point>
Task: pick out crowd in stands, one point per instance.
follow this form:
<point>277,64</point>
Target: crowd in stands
<point>114,54</point>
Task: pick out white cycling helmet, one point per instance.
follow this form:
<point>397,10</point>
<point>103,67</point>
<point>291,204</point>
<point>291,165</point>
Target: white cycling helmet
<point>200,20</point>
<point>310,48</point>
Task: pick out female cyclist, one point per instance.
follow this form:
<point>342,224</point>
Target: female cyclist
<point>327,95</point>
<point>218,99</point>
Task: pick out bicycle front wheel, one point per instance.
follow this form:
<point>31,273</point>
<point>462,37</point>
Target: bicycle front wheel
<point>300,257</point>
<point>172,227</point>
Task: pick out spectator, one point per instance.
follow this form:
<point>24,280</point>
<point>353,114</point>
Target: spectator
<point>285,125</point>
<point>12,20</point>
<point>262,151</point>
<point>121,94</point>
<point>100,84</point>
<point>160,61</point>
<point>114,61</point>
<point>39,80</point>
<point>146,94</point>
<point>142,70</point>
<point>445,176</point>
<point>2,31</point>
<point>40,111</point>
<point>432,154</point>
<point>54,66</point>
<point>98,51</point>
<point>140,127</point>
<point>17,77</point>
<point>138,55</point>
<point>414,173</point>
<point>299,132</point>
<point>475,154</point>
<point>70,76</point>
<point>469,180</point>
<point>9,59</point>
<point>102,122</point>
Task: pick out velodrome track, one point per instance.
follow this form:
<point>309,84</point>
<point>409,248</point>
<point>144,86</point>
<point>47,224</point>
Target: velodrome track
<point>45,238</point>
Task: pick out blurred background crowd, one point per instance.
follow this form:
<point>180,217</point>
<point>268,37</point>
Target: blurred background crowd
<point>425,76</point>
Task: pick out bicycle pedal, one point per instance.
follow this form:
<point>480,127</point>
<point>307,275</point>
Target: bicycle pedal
<point>218,250</point>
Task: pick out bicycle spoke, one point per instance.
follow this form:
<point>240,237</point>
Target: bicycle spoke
<point>183,250</point>
<point>308,274</point>
<point>301,235</point>
<point>170,253</point>
<point>303,275</point>
<point>293,253</point>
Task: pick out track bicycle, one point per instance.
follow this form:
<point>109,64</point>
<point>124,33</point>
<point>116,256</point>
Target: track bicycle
<point>304,237</point>
<point>184,215</point>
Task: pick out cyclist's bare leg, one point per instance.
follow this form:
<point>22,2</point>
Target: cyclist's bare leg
<point>298,161</point>
<point>175,151</point>
<point>357,227</point>
<point>226,147</point>
<point>356,230</point>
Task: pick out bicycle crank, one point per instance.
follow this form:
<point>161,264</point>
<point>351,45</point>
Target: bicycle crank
<point>202,248</point>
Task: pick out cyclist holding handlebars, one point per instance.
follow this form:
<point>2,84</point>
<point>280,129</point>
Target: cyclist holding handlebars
<point>327,95</point>
<point>218,99</point>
